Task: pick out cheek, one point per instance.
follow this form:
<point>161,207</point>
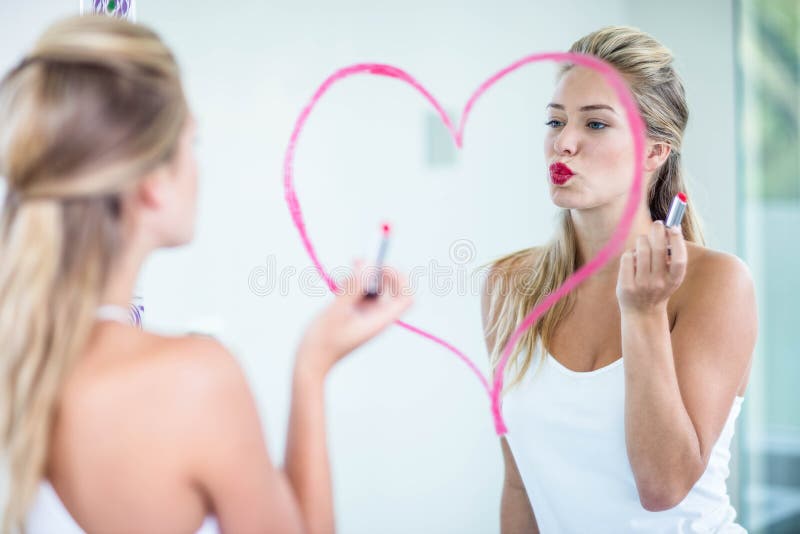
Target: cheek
<point>194,178</point>
<point>191,193</point>
<point>614,155</point>
<point>188,186</point>
<point>189,171</point>
<point>624,163</point>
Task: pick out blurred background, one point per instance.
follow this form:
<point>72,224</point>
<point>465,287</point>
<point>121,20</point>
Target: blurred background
<point>412,442</point>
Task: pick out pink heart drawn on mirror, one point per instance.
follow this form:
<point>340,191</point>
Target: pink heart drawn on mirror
<point>495,387</point>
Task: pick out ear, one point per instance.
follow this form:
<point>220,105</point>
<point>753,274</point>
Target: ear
<point>657,154</point>
<point>151,191</point>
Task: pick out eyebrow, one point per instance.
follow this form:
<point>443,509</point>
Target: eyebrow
<point>592,107</point>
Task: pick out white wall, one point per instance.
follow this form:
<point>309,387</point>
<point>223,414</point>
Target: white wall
<point>410,431</point>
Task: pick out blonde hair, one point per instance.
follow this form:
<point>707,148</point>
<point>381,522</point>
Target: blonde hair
<point>95,106</point>
<point>521,280</point>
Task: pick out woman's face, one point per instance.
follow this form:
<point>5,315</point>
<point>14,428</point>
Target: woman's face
<point>587,132</point>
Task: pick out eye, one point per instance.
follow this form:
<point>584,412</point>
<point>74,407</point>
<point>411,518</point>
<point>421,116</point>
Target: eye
<point>554,123</point>
<point>596,125</point>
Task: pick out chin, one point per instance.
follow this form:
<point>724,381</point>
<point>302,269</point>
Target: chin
<point>186,239</point>
<point>576,200</point>
<point>563,201</point>
<point>179,240</point>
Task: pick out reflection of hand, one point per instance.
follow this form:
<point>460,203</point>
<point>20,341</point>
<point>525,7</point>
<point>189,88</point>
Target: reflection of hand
<point>352,319</point>
<point>648,276</point>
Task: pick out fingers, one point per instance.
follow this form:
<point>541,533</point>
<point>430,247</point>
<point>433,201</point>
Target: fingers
<point>393,283</point>
<point>643,259</point>
<point>678,257</point>
<point>658,248</point>
<point>353,286</point>
<point>394,295</point>
<point>626,279</point>
<point>648,275</point>
<point>390,285</point>
<point>393,299</point>
<point>398,289</point>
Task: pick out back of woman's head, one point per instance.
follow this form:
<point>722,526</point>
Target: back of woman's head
<point>517,282</point>
<point>94,107</point>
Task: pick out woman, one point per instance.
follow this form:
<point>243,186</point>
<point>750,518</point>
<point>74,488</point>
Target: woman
<point>107,428</point>
<point>623,397</point>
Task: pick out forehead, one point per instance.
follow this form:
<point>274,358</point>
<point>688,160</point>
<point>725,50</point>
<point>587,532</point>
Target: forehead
<point>581,86</point>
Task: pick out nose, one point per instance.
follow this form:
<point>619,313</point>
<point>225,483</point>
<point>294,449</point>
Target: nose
<point>566,142</point>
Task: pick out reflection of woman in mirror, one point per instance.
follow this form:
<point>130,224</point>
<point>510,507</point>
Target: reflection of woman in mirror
<point>622,399</point>
<point>105,427</point>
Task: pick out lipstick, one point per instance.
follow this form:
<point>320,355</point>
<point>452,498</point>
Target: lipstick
<point>674,217</point>
<point>372,288</point>
<point>676,210</point>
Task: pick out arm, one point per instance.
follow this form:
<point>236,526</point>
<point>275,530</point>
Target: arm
<point>516,511</point>
<point>345,325</point>
<point>680,385</point>
<point>228,454</point>
<point>306,461</point>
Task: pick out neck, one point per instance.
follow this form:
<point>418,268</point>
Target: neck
<point>594,228</point>
<point>124,273</point>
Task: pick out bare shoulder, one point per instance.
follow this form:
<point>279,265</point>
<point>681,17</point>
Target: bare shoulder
<point>713,339</point>
<point>716,320</point>
<point>147,408</point>
<point>502,277</point>
<point>201,365</point>
<point>196,381</point>
<point>716,276</point>
<point>707,257</point>
<point>150,382</point>
<point>124,360</point>
<point>502,273</point>
<point>504,269</point>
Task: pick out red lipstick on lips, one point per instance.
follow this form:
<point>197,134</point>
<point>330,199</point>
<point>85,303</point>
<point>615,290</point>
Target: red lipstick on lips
<point>560,173</point>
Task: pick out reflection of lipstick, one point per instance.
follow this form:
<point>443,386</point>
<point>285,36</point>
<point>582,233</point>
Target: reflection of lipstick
<point>372,290</point>
<point>675,215</point>
<point>560,173</point>
<point>676,210</point>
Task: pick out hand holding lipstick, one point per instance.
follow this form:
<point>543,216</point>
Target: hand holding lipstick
<point>351,319</point>
<point>651,273</point>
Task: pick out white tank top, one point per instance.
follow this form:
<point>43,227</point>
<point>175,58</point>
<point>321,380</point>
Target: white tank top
<point>48,515</point>
<point>566,430</point>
